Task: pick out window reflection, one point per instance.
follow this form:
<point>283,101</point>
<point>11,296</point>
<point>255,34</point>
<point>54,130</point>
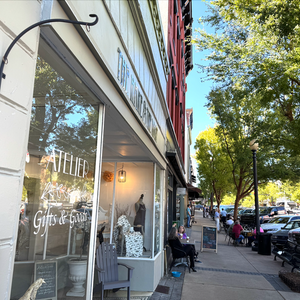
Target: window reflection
<point>55,213</point>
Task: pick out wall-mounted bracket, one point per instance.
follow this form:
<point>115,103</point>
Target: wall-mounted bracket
<point>5,57</point>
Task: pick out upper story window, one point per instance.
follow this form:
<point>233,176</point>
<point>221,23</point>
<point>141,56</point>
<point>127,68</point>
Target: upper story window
<point>174,47</point>
<point>175,7</point>
<point>178,28</point>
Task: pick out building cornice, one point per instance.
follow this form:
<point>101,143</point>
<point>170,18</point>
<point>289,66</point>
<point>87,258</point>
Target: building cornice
<point>157,23</point>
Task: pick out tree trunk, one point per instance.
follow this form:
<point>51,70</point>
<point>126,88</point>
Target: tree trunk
<point>236,205</point>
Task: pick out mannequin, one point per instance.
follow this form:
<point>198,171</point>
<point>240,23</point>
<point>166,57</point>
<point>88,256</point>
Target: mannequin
<point>140,217</point>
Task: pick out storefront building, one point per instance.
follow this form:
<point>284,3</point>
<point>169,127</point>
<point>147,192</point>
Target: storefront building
<point>177,22</point>
<point>83,117</point>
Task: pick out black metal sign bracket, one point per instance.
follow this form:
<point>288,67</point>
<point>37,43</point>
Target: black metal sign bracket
<point>5,57</point>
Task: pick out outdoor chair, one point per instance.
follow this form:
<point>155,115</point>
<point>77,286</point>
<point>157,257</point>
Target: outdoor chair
<point>232,239</point>
<point>107,267</point>
<point>179,254</point>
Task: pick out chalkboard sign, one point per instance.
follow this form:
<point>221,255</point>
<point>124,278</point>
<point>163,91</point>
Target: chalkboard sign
<point>48,271</point>
<point>209,238</point>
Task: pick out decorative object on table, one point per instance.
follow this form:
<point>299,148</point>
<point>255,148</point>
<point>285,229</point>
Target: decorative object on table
<point>108,276</point>
<point>121,210</point>
<point>108,176</point>
<point>32,290</point>
<point>134,244</point>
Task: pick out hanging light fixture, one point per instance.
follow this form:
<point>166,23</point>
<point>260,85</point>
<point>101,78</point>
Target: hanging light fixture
<point>122,175</point>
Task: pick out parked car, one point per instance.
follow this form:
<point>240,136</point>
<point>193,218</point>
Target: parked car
<point>274,211</point>
<point>67,206</point>
<point>265,214</point>
<point>278,222</point>
<point>294,236</point>
<point>198,206</point>
<point>82,204</point>
<point>280,237</point>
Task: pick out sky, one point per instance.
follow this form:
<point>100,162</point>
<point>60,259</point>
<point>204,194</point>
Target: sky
<point>197,90</point>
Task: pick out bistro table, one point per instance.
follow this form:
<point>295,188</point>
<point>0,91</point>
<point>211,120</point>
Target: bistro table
<point>185,242</point>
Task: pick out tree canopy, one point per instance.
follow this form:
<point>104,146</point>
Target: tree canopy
<point>255,51</point>
<point>213,166</point>
<point>254,63</point>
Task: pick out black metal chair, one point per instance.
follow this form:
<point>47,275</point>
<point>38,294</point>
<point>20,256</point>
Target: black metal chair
<point>179,254</point>
<point>232,239</point>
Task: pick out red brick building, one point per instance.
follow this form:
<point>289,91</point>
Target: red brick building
<point>181,63</point>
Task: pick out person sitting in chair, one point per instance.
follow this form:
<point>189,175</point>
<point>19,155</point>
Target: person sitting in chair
<point>236,230</point>
<point>182,235</point>
<point>181,232</point>
<point>229,221</point>
<point>252,238</point>
<point>175,243</point>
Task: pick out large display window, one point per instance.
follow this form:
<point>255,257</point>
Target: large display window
<point>56,212</point>
<point>130,206</point>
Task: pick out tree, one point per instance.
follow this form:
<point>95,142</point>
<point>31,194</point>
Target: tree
<point>256,94</point>
<point>270,191</point>
<point>240,121</point>
<point>213,164</point>
<point>256,50</point>
<point>290,190</point>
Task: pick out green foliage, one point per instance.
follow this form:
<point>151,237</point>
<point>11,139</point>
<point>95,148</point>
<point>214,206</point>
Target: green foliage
<point>269,191</point>
<point>290,190</point>
<point>228,199</point>
<point>256,51</point>
<point>214,170</point>
<point>254,62</point>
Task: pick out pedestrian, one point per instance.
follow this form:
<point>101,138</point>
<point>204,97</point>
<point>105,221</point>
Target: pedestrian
<point>188,214</point>
<point>207,212</point>
<point>223,216</point>
<point>217,219</point>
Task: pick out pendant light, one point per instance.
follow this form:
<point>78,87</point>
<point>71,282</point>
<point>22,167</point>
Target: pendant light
<point>122,175</point>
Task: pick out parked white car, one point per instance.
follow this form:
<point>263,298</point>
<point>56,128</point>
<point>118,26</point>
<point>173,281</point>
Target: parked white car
<point>277,223</point>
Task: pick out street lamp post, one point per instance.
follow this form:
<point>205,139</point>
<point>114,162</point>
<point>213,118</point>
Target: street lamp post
<point>254,146</point>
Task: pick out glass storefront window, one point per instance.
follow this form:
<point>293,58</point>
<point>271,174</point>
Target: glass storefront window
<point>56,210</point>
<point>130,208</point>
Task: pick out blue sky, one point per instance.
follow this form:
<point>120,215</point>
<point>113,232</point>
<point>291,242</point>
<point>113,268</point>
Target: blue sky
<point>197,90</point>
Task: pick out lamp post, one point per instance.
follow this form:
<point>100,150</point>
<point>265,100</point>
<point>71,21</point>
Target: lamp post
<point>254,146</point>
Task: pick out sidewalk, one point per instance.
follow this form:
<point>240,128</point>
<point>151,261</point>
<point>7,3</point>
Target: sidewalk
<point>231,273</point>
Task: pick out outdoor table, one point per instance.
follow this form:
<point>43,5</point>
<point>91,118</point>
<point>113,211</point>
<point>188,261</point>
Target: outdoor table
<point>185,242</point>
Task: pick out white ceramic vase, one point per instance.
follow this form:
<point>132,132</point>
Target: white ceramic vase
<point>77,269</point>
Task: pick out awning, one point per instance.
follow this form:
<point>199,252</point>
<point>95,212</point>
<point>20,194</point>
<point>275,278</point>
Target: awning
<point>193,192</point>
<point>178,171</point>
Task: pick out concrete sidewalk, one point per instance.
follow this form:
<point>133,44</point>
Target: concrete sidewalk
<point>231,273</point>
